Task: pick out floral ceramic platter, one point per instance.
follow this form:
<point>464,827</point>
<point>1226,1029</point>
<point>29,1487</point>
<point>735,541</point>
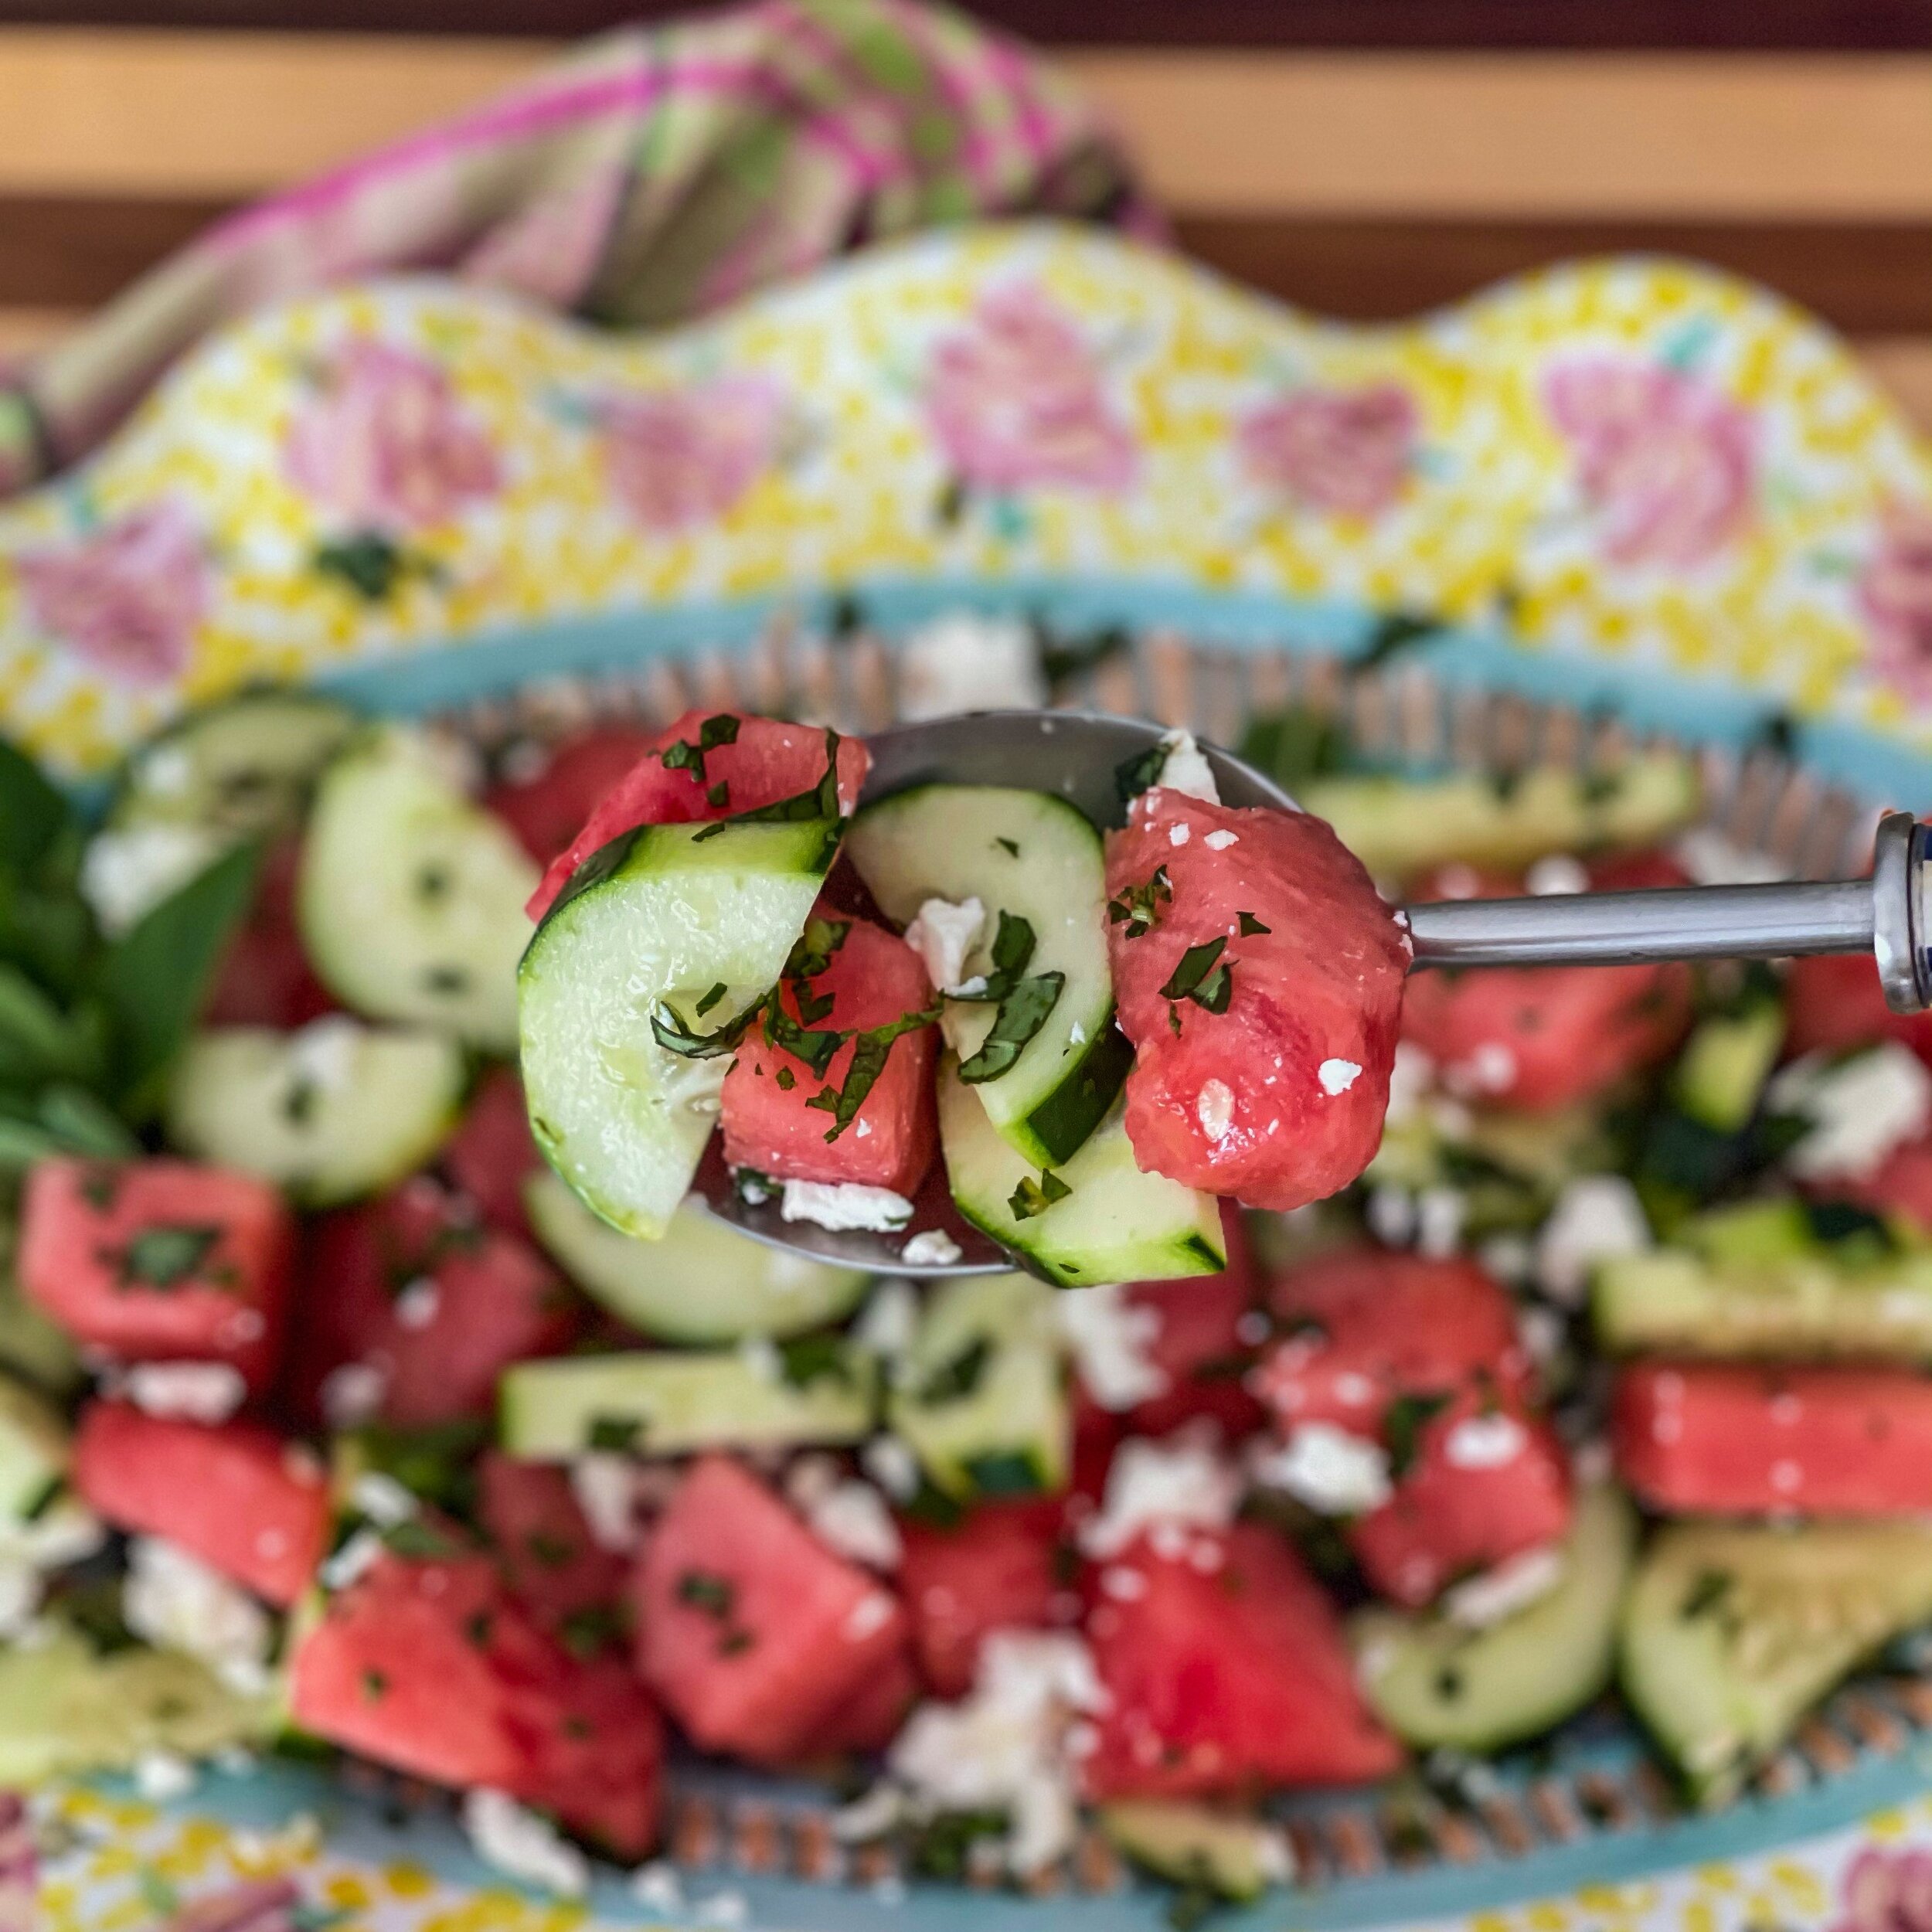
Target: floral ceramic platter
<point>1633,487</point>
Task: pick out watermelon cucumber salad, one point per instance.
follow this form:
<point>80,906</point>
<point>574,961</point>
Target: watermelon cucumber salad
<point>1396,1369</point>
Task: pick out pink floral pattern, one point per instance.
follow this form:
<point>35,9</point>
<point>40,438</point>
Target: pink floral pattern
<point>384,444</point>
<point>1895,595</point>
<point>1346,451</point>
<point>127,596</point>
<point>681,458</point>
<point>1016,399</point>
<point>1666,462</point>
<point>255,1905</point>
<point>1887,1891</point>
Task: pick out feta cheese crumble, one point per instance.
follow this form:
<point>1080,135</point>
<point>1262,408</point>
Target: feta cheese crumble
<point>1338,1075</point>
<point>1596,1218</point>
<point>1333,1471</point>
<point>1860,1109</point>
<point>605,1487</point>
<point>1214,1108</point>
<point>890,1463</point>
<point>846,1515</point>
<point>962,661</point>
<point>1110,1337</point>
<point>942,935</point>
<point>352,1394</point>
<point>125,873</point>
<point>1484,1442</point>
<point>420,1303</point>
<point>1556,876</point>
<point>175,1602</point>
<point>161,1777</point>
<point>522,1845</point>
<point>888,1320</point>
<point>1180,1480</point>
<point>1220,841</point>
<point>1487,1598</point>
<point>842,1206</point>
<point>1186,769</point>
<point>188,1391</point>
<point>1179,835</point>
<point>324,1053</point>
<point>932,1248</point>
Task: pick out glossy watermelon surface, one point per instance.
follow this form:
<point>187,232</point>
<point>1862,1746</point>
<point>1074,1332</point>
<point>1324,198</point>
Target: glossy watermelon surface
<point>549,1556</point>
<point>1277,1097</point>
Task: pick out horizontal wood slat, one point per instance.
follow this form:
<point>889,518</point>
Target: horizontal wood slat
<point>179,115</point>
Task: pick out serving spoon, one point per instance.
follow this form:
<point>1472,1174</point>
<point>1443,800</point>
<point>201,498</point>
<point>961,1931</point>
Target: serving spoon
<point>1075,756</point>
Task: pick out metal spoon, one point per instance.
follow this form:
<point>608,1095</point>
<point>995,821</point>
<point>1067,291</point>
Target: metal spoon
<point>1077,754</point>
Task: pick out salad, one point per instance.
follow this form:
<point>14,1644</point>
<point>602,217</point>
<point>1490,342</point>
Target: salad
<point>1398,1369</point>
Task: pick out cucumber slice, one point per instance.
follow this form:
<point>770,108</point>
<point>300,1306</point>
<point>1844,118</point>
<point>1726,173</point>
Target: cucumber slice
<point>1436,1681</point>
<point>662,916</point>
<point>1400,827</point>
<point>1725,1063</point>
<point>978,1395</point>
<point>1036,857</point>
<point>1115,1223</point>
<point>704,1281</point>
<point>1732,1632</point>
<point>245,765</point>
<point>1754,1282</point>
<point>336,1110</point>
<point>65,1711</point>
<point>411,896</point>
<point>33,1451</point>
<point>669,1403</point>
<point>1198,1847</point>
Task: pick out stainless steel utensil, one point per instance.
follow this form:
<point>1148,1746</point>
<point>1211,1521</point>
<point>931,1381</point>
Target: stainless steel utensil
<point>1076,755</point>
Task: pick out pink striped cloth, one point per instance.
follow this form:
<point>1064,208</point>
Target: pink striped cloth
<point>651,176</point>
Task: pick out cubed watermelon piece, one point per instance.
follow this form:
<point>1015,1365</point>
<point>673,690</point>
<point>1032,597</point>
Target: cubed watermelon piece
<point>770,1123</point>
<point>870,1719</point>
<point>552,1563</point>
<point>766,761</point>
<point>491,1154</point>
<point>265,978</point>
<point>600,1758</point>
<point>249,1504</point>
<point>1004,1565</point>
<point>1226,1669</point>
<point>546,807</point>
<point>424,1305</point>
<point>1834,1002</point>
<point>1728,1439</point>
<point>754,1634</point>
<point>1480,1480</point>
<point>159,1260</point>
<point>1901,1184</point>
<point>1269,1083</point>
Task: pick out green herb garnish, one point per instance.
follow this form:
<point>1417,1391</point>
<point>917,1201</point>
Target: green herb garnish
<point>1033,1197</point>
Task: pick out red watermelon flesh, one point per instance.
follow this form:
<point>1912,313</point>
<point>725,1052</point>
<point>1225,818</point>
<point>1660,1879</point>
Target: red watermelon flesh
<point>265,978</point>
<point>770,760</point>
<point>413,1290</point>
<point>1226,1669</point>
<point>1278,1099</point>
<point>546,809</point>
<point>869,1720</point>
<point>248,1503</point>
<point>874,978</point>
<point>599,1758</point>
<point>554,1566</point>
<point>491,1154</point>
<point>158,1260</point>
<point>1000,1568</point>
<point>1901,1184</point>
<point>753,1632</point>
<point>1834,1002</point>
<point>1729,1439</point>
<point>1488,1481</point>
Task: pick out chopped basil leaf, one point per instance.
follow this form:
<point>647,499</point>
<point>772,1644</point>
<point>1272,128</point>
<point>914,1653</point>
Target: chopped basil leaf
<point>615,1433</point>
<point>1011,845</point>
<point>787,1080</point>
<point>1138,907</point>
<point>1021,1014</point>
<point>1134,775</point>
<point>821,801</point>
<point>709,1000</point>
<point>169,1257</point>
<point>806,1359</point>
<point>1194,967</point>
<point>782,1031</point>
<point>705,1590</point>
<point>1215,992</point>
<point>955,1379</point>
<point>1250,926</point>
<point>868,1062</point>
<point>1033,1197</point>
<point>1402,1424</point>
<point>675,1035</point>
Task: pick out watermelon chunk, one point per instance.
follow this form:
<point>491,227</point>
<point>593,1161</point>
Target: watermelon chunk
<point>1727,1439</point>
<point>1834,1002</point>
<point>1901,1184</point>
<point>870,1718</point>
<point>754,1634</point>
<point>265,978</point>
<point>770,1124</point>
<point>768,761</point>
<point>428,1306</point>
<point>250,1504</point>
<point>1226,1667</point>
<point>160,1261</point>
<point>546,809</point>
<point>1000,1568</point>
<point>1277,1097</point>
<point>553,1563</point>
<point>491,1154</point>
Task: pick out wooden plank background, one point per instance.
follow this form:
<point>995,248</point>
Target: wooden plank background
<point>1360,180</point>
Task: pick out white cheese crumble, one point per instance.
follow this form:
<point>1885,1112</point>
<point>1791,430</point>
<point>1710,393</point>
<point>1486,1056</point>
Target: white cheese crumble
<point>888,1320</point>
<point>1220,841</point>
<point>324,1053</point>
<point>1712,859</point>
<point>191,1391</point>
<point>382,1499</point>
<point>942,936</point>
<point>358,1554</point>
<point>964,662</point>
<point>21,1591</point>
<point>161,1777</point>
<point>67,1532</point>
<point>604,1485</point>
<point>420,1303</point>
<point>1338,1075</point>
<point>1556,876</point>
<point>869,1616</point>
<point>847,1516</point>
<point>352,1394</point>
<point>931,1248</point>
<point>522,1845</point>
<point>1004,1746</point>
<point>1181,1480</point>
<point>1596,1218</point>
<point>175,1602</point>
<point>126,873</point>
<point>1491,1068</point>
<point>1439,1214</point>
<point>726,1909</point>
<point>890,1463</point>
<point>1484,1442</point>
<point>656,1887</point>
<point>1110,1337</point>
<point>1214,1108</point>
<point>1179,834</point>
<point>1186,769</point>
<point>167,770</point>
<point>1480,1601</point>
<point>1860,1109</point>
<point>846,1204</point>
<point>1411,1076</point>
<point>1333,1471</point>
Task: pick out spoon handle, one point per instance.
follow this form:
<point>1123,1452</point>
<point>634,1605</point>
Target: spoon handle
<point>1889,915</point>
